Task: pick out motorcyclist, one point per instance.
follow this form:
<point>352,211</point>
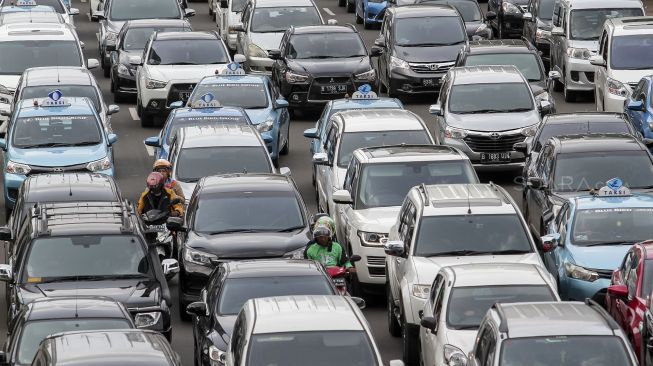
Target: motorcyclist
<point>327,251</point>
<point>157,197</point>
<point>164,167</point>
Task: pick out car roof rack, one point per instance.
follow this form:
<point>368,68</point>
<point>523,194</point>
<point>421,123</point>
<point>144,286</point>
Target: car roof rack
<point>503,320</point>
<point>425,193</point>
<point>51,215</point>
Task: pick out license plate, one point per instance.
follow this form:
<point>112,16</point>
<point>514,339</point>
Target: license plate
<point>502,157</point>
<point>333,89</point>
<point>430,82</point>
<point>339,281</point>
<point>157,228</point>
<point>184,95</point>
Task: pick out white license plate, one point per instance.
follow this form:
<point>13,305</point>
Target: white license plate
<point>333,89</point>
<point>501,157</point>
<point>430,82</point>
<point>157,228</point>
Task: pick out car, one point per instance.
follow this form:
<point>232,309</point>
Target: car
<point>354,129</point>
<point>315,64</point>
<point>419,44</point>
<point>553,333</point>
<point>572,165</point>
<point>106,347</point>
<point>47,316</point>
<point>577,26</point>
<point>516,52</point>
<point>129,47</point>
<point>537,26</point>
<point>461,295</point>
<point>369,12</point>
<point>639,106</point>
<point>36,14</point>
<point>226,13</point>
<point>114,14</point>
<point>87,248</point>
<point>509,21</point>
<point>476,23</point>
<point>375,185</point>
<point>239,216</point>
<point>627,296</point>
<point>263,24</point>
<point>262,102</point>
<point>624,42</point>
<point>484,111</point>
<point>59,6</point>
<point>291,329</point>
<point>442,225</point>
<point>231,284</point>
<point>55,134</point>
<point>173,62</point>
<point>71,81</point>
<point>591,235</point>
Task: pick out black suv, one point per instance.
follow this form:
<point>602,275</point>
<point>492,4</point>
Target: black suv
<point>475,22</point>
<point>537,26</point>
<point>315,64</point>
<point>509,22</point>
<point>86,248</point>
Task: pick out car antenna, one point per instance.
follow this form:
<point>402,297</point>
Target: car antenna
<point>76,296</point>
<point>70,187</point>
<point>469,204</point>
<point>588,127</point>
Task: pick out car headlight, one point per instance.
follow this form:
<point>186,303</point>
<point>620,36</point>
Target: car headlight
<point>579,53</point>
<point>217,355</point>
<point>256,51</point>
<point>294,78</point>
<point>5,95</point>
<point>111,37</point>
<point>98,165</point>
<point>616,87</point>
<point>369,239</point>
<point>17,168</point>
<point>529,131</point>
<point>123,70</point>
<point>510,8</point>
<point>397,63</point>
<point>454,133</point>
<point>542,35</point>
<point>144,320</point>
<point>453,356</point>
<point>366,76</point>
<point>198,257</point>
<point>154,84</point>
<point>421,291</point>
<point>266,126</point>
<point>580,273</point>
<point>295,254</point>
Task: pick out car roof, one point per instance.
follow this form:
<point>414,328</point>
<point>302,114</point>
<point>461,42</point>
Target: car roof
<point>424,10</point>
<point>381,102</point>
<point>486,74</point>
<point>579,117</point>
<point>324,29</point>
<point>53,75</point>
<point>36,31</point>
<point>305,313</point>
<point>407,153</point>
<point>245,182</point>
<point>281,3</point>
<point>77,107</point>
<point>194,35</point>
<point>233,79</point>
<point>75,307</point>
<point>360,120</point>
<point>497,274</point>
<point>146,23</point>
<point>601,4</point>
<point>459,199</point>
<point>218,135</point>
<point>632,25</point>
<point>635,200</point>
<point>31,17</point>
<point>500,46</point>
<point>597,142</point>
<point>66,187</point>
<point>272,267</point>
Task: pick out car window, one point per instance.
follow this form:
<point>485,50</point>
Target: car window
<point>325,45</point>
<point>586,24</point>
<point>633,274</point>
<point>269,19</point>
<point>121,10</point>
<point>56,130</point>
<point>15,57</point>
<point>183,52</point>
<point>439,299</point>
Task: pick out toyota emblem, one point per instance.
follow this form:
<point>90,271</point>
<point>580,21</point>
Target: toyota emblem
<point>58,170</point>
<point>434,67</point>
<point>495,135</point>
<point>331,81</point>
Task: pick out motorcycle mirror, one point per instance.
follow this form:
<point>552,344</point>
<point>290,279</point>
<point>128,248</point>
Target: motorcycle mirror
<point>355,258</point>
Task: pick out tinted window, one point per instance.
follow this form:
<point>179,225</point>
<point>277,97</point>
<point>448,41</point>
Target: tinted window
<point>187,52</point>
<point>42,91</point>
<point>527,63</point>
<point>144,9</point>
<point>490,98</point>
<point>195,163</point>
<point>237,291</point>
<point>238,5</point>
<point>469,10</point>
<point>17,56</point>
<point>427,31</point>
<point>201,121</point>
<point>559,129</point>
<point>471,234</point>
<point>55,131</point>
<point>546,9</point>
<point>279,19</point>
<point>612,226</point>
<point>632,52</point>
<point>586,24</point>
<point>245,95</point>
<point>356,140</point>
<point>325,45</point>
<point>136,38</point>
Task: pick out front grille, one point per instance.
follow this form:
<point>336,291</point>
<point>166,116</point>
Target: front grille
<point>315,92</point>
<point>376,261</point>
<point>431,67</point>
<point>180,92</point>
<point>376,271</point>
<point>503,143</point>
<point>603,273</point>
<point>590,76</point>
<point>57,169</point>
<point>633,85</point>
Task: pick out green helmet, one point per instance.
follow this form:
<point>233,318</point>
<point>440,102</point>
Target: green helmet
<point>326,221</point>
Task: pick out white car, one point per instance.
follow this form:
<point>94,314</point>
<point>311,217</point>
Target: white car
<point>226,13</point>
<point>462,294</point>
<point>443,225</point>
<point>376,183</point>
<point>60,6</point>
<point>354,129</point>
<point>174,62</point>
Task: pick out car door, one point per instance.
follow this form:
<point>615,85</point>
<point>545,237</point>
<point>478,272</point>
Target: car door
<point>600,80</point>
<point>628,306</point>
<point>384,58</point>
<point>530,25</point>
<point>324,172</point>
<point>556,41</point>
<point>396,263</point>
<point>534,197</point>
<point>638,95</point>
<point>553,259</point>
<point>404,266</point>
<point>346,212</point>
<point>243,37</point>
<point>429,338</point>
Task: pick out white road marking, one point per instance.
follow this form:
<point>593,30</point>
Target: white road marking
<point>133,113</point>
<point>83,1</point>
<point>328,11</point>
<point>150,150</point>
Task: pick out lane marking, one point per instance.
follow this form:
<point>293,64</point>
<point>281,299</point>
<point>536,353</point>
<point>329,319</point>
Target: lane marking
<point>328,11</point>
<point>133,113</point>
<point>83,1</point>
<point>150,150</point>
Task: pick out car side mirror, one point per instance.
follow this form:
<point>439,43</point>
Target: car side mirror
<point>521,147</point>
<point>98,15</point>
<point>73,11</point>
<point>536,183</point>
<point>597,60</point>
<point>619,291</point>
<point>113,109</point>
<point>92,63</point>
<point>5,232</point>
<point>635,105</point>
<point>549,242</point>
<point>527,16</point>
<point>311,133</point>
<point>355,258</point>
<point>281,103</point>
<point>342,197</point>
<point>267,138</point>
<point>112,138</point>
<point>189,13</point>
<point>394,248</point>
<point>170,266</point>
<point>135,60</point>
<point>175,224</point>
<point>152,141</point>
<point>284,170</point>
<point>238,27</point>
<point>490,15</point>
<point>224,4</point>
<point>359,302</point>
<point>6,274</point>
<point>380,42</point>
<point>197,308</point>
<point>240,58</point>
<point>176,104</point>
<point>320,159</point>
<point>557,31</point>
<point>429,322</point>
<point>545,106</point>
<point>376,51</point>
<point>554,75</point>
<point>435,109</point>
<point>109,47</point>
<point>274,54</point>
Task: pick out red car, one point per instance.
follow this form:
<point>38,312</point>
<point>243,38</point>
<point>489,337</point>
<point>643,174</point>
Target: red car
<point>627,295</point>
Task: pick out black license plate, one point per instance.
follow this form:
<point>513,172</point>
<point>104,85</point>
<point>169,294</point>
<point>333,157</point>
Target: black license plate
<point>430,82</point>
<point>184,95</point>
<point>500,157</point>
<point>333,89</point>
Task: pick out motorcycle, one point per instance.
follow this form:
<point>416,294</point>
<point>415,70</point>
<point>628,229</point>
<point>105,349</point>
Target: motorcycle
<point>157,234</point>
<point>340,276</point>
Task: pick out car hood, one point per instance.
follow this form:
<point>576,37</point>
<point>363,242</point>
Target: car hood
<point>603,257</point>
<point>592,45</point>
<point>59,156</point>
<point>377,219</point>
<point>428,54</point>
<point>184,73</point>
<point>463,339</point>
<point>258,115</point>
<point>267,41</point>
<point>249,245</point>
<point>493,121</point>
<point>630,76</point>
<point>9,81</point>
<point>332,67</point>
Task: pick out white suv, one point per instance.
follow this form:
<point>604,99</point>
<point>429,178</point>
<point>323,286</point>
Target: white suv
<point>461,295</point>
<point>376,184</point>
<point>442,225</point>
<point>625,56</point>
<point>226,13</point>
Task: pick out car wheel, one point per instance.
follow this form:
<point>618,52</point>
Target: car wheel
<point>147,120</point>
<point>394,328</point>
<point>341,2</point>
<point>7,213</point>
<point>350,6</point>
<point>313,169</point>
<point>168,335</point>
<point>106,69</point>
<point>113,86</point>
<point>366,24</point>
<point>570,96</point>
<point>409,345</point>
<point>118,97</point>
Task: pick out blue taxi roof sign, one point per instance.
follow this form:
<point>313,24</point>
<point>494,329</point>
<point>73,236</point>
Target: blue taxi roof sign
<point>206,101</point>
<point>26,3</point>
<point>364,92</point>
<point>233,68</point>
<point>55,99</point>
<point>614,188</point>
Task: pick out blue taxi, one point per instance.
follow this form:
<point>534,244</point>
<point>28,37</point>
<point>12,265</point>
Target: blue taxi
<point>27,7</point>
<point>53,135</point>
<point>590,236</point>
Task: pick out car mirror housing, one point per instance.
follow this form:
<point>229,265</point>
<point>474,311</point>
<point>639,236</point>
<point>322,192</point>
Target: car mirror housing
<point>635,105</point>
<point>597,60</point>
<point>170,267</point>
<point>197,308</point>
<point>311,133</point>
<point>152,141</point>
<point>320,159</point>
<point>557,31</point>
<point>112,138</point>
<point>92,63</point>
<point>175,224</point>
<point>343,197</point>
<point>550,242</point>
<point>394,248</point>
<point>435,109</point>
<point>281,103</point>
<point>113,109</point>
<point>6,274</point>
<point>536,183</point>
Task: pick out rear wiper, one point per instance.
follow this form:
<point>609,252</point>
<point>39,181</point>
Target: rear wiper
<point>484,111</point>
<point>289,229</point>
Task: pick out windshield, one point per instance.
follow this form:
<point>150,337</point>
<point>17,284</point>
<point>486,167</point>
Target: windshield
<point>269,20</point>
<point>633,52</point>
<point>136,38</point>
<point>471,234</point>
<point>429,31</point>
<point>251,210</point>
<point>583,171</point>
<point>16,56</point>
<point>237,291</point>
<point>612,226</point>
<point>56,131</point>
<point>35,331</point>
<point>326,45</point>
<point>575,128</point>
<point>322,348</point>
<point>526,63</point>
<point>31,17</point>
<point>79,257</point>
<point>199,122</point>
<point>238,5</point>
<point>42,91</point>
<point>469,10</point>
<point>186,52</point>
<point>586,24</point>
<point>195,163</point>
<point>564,351</point>
<point>490,98</point>
<point>356,140</point>
<point>56,4</point>
<point>245,95</point>
<point>387,184</point>
<point>546,9</point>
<point>468,305</point>
<point>144,9</point>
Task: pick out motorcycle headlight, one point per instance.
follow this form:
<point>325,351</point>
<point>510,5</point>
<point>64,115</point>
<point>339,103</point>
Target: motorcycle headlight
<point>266,126</point>
<point>123,70</point>
<point>421,291</point>
<point>579,53</point>
<point>369,239</point>
<point>529,131</point>
<point>198,257</point>
<point>144,320</point>
<point>217,355</point>
<point>98,165</point>
<point>256,51</point>
<point>154,84</point>
<point>295,254</point>
<point>294,78</point>
<point>616,87</point>
<point>397,63</point>
<point>541,34</point>
<point>580,273</point>
<point>17,168</point>
<point>510,8</point>
<point>111,37</point>
<point>366,76</point>
<point>454,133</point>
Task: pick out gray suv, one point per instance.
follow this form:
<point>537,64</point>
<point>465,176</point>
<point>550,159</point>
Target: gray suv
<point>484,111</point>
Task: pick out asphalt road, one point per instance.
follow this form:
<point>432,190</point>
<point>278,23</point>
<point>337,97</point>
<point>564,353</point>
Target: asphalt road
<point>133,161</point>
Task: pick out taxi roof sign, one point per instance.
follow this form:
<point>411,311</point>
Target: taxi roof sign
<point>614,188</point>
<point>26,3</point>
<point>206,101</point>
<point>55,99</point>
<point>364,92</point>
<point>233,68</point>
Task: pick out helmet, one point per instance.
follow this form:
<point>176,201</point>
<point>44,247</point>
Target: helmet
<point>155,181</point>
<point>321,230</point>
<point>161,163</point>
<point>326,221</point>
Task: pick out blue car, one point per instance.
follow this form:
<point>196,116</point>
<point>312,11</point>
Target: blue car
<point>54,135</point>
<point>590,236</point>
<point>639,107</point>
<point>24,9</point>
<point>369,12</point>
<point>192,117</point>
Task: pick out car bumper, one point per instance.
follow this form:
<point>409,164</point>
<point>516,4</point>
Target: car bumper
<point>157,101</point>
<point>577,290</point>
<point>579,75</point>
<point>407,81</point>
<point>513,25</point>
<point>613,103</point>
<point>192,279</point>
<point>125,84</point>
<point>517,159</point>
<point>260,65</point>
<point>371,268</point>
<point>307,95</point>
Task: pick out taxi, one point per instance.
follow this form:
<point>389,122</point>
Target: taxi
<point>31,14</point>
<point>54,135</point>
<point>265,107</point>
<point>60,6</point>
<point>590,236</point>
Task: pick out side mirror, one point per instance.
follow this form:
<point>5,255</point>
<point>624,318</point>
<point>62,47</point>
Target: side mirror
<point>5,232</point>
<point>332,22</point>
<point>620,291</point>
<point>545,106</point>
<point>3,146</point>
<point>536,183</point>
<point>176,104</point>
<point>435,109</point>
<point>396,363</point>
<point>5,273</point>
<point>281,103</point>
<point>274,54</point>
<point>113,109</point>
<point>343,197</point>
<point>635,105</point>
<point>490,15</point>
<point>527,16</point>
<point>394,248</point>
<point>355,258</point>
<point>554,75</point>
<point>550,242</point>
<point>267,138</point>
<point>197,308</point>
<point>92,63</point>
<point>597,60</point>
<point>521,147</point>
<point>311,133</point>
<point>135,60</point>
<point>557,31</point>
<point>238,27</point>
<point>98,15</point>
<point>359,302</point>
<point>112,138</point>
<point>240,58</point>
<point>284,170</point>
<point>170,267</point>
<point>380,42</point>
<point>376,51</point>
<point>429,322</point>
<point>320,159</point>
<point>110,47</point>
<point>152,141</point>
<point>73,11</point>
<point>5,112</point>
<point>83,45</point>
<point>189,13</point>
<point>224,4</point>
<point>175,224</point>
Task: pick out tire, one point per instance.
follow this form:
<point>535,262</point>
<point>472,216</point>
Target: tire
<point>558,86</point>
<point>106,69</point>
<point>355,286</point>
<point>341,2</point>
<point>366,25</point>
<point>394,328</point>
<point>409,346</point>
<point>147,120</point>
<point>570,96</point>
<point>118,97</point>
<point>7,214</point>
<point>350,7</point>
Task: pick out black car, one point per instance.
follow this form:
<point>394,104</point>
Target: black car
<point>509,22</point>
<point>239,216</point>
<point>537,26</point>
<point>571,164</point>
<point>86,248</point>
<point>129,48</point>
<point>106,347</point>
<point>475,22</point>
<point>46,316</point>
<point>315,64</point>
<point>518,53</point>
<point>231,284</point>
<point>418,45</point>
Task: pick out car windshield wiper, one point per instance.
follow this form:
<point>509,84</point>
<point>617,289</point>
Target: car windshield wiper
<point>429,44</point>
<point>465,327</point>
<point>456,252</point>
<point>289,229</point>
<point>49,144</point>
<point>181,63</point>
<point>510,251</point>
<point>231,231</point>
<point>88,278</point>
<point>479,111</point>
<point>616,242</point>
<point>321,57</point>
